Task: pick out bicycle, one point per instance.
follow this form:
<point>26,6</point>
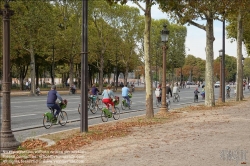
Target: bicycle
<point>228,94</point>
<point>176,97</point>
<point>61,118</point>
<point>106,113</point>
<point>158,102</point>
<point>168,103</point>
<point>94,103</point>
<point>124,103</point>
<point>196,98</point>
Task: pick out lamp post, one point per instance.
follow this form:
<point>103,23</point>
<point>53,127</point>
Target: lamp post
<point>242,96</point>
<point>53,64</point>
<point>220,95</point>
<point>84,69</point>
<point>164,39</point>
<point>8,141</point>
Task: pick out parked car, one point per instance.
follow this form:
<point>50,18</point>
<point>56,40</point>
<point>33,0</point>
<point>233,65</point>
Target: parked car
<point>190,83</point>
<point>217,84</point>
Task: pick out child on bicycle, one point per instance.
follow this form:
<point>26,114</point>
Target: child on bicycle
<point>108,98</point>
<point>228,90</point>
<point>196,93</point>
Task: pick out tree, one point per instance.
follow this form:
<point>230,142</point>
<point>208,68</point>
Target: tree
<point>32,25</point>
<point>186,11</point>
<point>146,47</point>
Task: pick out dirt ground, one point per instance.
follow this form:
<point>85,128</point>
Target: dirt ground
<point>200,138</point>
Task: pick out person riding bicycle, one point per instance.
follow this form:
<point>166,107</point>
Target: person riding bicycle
<point>72,89</point>
<point>94,91</point>
<point>158,91</point>
<point>176,89</point>
<point>228,89</point>
<point>125,92</point>
<point>53,95</point>
<point>108,97</point>
<point>196,93</point>
<point>38,91</point>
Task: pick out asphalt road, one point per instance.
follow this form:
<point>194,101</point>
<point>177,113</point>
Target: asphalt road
<point>27,112</point>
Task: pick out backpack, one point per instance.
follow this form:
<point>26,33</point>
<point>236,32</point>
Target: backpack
<point>157,92</point>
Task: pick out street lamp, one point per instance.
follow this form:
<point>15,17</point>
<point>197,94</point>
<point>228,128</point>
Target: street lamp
<point>8,141</point>
<point>221,93</point>
<point>164,39</point>
<point>84,69</point>
<point>242,74</point>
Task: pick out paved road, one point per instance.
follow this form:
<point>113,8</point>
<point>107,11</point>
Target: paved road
<point>27,112</point>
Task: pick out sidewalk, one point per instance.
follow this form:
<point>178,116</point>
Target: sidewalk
<point>194,138</point>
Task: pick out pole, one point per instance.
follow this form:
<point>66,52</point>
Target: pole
<point>8,141</point>
<point>223,63</point>
<point>84,68</point>
<point>53,64</point>
<point>163,98</point>
<point>220,95</point>
<point>116,82</point>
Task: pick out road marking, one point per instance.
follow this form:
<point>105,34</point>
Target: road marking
<point>20,115</point>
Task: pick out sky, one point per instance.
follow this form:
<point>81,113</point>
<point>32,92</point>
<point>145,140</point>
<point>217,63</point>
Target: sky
<point>196,37</point>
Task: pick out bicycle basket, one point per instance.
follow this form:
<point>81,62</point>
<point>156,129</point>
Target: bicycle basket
<point>64,104</point>
<point>130,95</point>
<point>117,101</point>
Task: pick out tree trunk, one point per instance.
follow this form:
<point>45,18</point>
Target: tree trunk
<point>148,81</point>
<point>239,88</point>
<point>209,88</point>
<point>71,71</point>
<point>101,74</point>
<point>32,71</point>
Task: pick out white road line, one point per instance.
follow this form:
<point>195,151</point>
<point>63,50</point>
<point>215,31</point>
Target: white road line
<point>21,115</point>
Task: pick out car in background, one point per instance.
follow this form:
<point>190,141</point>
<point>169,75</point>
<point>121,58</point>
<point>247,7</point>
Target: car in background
<point>217,84</point>
<point>190,83</point>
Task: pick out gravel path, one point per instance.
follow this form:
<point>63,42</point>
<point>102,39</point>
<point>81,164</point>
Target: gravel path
<point>200,138</point>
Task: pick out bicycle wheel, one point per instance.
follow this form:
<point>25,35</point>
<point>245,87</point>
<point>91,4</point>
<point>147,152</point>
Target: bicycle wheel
<point>174,98</point>
<point>104,117</point>
<point>130,103</point>
<point>158,103</point>
<point>63,118</point>
<point>178,98</point>
<point>79,109</point>
<point>168,104</point>
<point>123,104</point>
<point>116,115</point>
<point>47,122</point>
<point>99,103</point>
<point>93,108</point>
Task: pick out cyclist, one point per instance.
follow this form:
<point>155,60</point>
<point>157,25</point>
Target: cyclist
<point>38,92</point>
<point>158,91</point>
<point>94,90</point>
<point>176,89</point>
<point>73,89</point>
<point>107,97</point>
<point>125,92</point>
<point>196,94</point>
<point>228,90</point>
<point>53,95</point>
<point>168,91</point>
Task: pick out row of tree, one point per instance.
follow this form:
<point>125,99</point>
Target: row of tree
<point>46,38</point>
